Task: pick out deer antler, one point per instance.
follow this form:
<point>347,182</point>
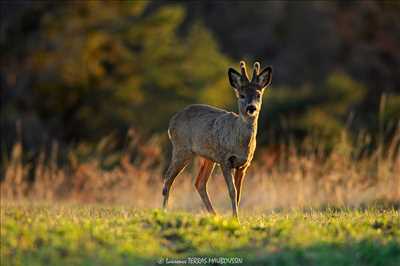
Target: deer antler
<point>256,71</point>
<point>243,70</point>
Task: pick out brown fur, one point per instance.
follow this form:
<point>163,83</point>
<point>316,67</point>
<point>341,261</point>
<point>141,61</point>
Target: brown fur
<point>219,136</point>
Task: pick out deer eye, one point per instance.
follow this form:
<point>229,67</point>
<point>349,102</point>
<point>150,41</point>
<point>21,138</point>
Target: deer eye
<point>241,96</point>
<point>258,96</point>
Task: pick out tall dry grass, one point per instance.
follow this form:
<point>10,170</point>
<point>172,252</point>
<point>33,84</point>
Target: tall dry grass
<point>280,177</point>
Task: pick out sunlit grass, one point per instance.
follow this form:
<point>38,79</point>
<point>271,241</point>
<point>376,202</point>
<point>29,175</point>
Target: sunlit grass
<point>107,235</point>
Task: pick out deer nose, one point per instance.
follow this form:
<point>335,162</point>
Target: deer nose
<point>251,109</point>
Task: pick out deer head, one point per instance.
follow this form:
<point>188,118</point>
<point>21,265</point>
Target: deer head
<point>249,92</point>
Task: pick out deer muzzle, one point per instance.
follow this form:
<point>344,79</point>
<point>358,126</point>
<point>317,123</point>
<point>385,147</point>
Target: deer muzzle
<point>251,109</point>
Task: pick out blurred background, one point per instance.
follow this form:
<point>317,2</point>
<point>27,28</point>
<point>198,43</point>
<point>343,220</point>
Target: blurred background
<point>92,85</point>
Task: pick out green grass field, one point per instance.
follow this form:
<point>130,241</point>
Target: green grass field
<point>100,235</point>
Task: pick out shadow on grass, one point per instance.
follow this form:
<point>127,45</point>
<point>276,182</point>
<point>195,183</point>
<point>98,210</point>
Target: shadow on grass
<point>363,253</point>
<point>377,205</point>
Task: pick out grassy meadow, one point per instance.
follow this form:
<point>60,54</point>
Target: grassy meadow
<point>37,234</point>
<point>300,206</point>
<point>99,207</point>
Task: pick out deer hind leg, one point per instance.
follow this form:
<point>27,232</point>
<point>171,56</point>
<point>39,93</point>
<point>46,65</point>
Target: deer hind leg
<point>178,162</point>
<point>201,183</point>
<point>239,175</point>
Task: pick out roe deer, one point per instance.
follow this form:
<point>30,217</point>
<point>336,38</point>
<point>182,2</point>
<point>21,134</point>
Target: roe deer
<point>218,136</point>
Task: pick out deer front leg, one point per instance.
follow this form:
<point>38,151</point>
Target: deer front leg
<point>201,183</point>
<point>239,175</point>
<point>227,170</point>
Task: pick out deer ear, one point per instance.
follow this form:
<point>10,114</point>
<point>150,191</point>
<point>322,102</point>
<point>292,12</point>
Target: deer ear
<point>235,79</point>
<point>265,77</point>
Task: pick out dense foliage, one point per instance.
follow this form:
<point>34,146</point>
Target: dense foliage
<point>79,71</point>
